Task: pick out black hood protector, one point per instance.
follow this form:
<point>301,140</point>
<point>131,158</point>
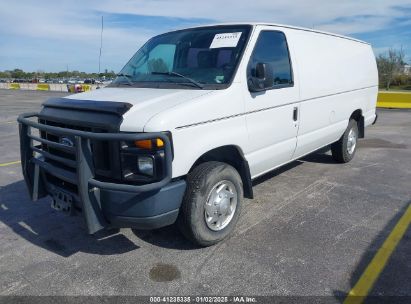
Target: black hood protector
<point>107,115</point>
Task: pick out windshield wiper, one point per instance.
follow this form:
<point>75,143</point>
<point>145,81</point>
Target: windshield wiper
<point>197,84</point>
<point>127,77</point>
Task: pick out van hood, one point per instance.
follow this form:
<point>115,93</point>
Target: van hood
<point>146,102</point>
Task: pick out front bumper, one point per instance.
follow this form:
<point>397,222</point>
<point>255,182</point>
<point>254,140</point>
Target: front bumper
<point>102,203</point>
<point>148,210</point>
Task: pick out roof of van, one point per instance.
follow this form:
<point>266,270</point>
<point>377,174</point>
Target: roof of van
<point>285,26</point>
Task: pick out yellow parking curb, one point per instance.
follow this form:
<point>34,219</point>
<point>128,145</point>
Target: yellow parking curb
<point>43,87</point>
<point>399,100</point>
<point>14,86</point>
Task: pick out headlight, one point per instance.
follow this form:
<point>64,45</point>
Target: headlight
<point>146,165</point>
<point>142,161</point>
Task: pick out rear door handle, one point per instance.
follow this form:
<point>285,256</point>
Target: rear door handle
<point>295,114</point>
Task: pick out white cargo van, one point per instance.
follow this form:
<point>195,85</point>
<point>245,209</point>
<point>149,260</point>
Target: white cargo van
<point>192,119</point>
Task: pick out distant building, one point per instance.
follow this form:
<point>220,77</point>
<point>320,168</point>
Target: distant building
<point>407,69</point>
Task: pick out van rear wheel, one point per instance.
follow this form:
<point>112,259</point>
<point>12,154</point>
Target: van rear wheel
<point>344,149</point>
<point>211,204</point>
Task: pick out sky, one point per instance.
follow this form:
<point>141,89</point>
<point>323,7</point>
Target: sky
<point>55,35</point>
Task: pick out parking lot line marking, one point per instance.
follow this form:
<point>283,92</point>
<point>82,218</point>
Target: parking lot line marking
<point>10,163</point>
<point>7,122</point>
<point>364,284</point>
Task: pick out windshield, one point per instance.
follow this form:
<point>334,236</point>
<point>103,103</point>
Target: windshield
<point>194,58</point>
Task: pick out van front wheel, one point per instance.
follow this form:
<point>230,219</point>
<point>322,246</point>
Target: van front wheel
<point>344,149</point>
<point>211,204</point>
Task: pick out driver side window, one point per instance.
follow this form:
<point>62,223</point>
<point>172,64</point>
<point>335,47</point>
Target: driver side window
<point>271,48</point>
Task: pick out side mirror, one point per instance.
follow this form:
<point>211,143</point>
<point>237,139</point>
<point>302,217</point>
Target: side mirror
<point>262,79</point>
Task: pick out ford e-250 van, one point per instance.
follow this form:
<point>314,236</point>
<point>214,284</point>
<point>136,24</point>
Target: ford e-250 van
<point>192,119</point>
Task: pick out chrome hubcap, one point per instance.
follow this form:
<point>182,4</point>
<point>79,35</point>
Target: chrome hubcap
<point>220,205</point>
<point>351,141</point>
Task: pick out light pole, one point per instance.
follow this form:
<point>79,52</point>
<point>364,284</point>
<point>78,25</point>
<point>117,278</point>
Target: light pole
<point>101,46</point>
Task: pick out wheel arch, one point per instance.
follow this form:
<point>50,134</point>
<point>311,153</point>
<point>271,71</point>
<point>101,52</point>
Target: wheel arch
<point>233,156</point>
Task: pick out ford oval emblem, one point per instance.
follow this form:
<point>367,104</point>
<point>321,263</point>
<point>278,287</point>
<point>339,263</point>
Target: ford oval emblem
<point>66,141</point>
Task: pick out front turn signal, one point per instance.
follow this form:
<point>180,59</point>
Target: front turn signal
<point>148,144</point>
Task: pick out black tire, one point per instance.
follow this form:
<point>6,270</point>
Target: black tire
<point>339,149</point>
<point>200,183</point>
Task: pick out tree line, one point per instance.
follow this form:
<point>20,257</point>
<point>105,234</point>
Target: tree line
<point>20,74</point>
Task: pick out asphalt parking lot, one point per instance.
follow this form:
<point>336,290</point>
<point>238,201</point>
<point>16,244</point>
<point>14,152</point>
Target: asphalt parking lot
<point>312,229</point>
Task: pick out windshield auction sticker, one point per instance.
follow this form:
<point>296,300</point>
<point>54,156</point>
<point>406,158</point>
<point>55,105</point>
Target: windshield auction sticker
<point>225,40</point>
